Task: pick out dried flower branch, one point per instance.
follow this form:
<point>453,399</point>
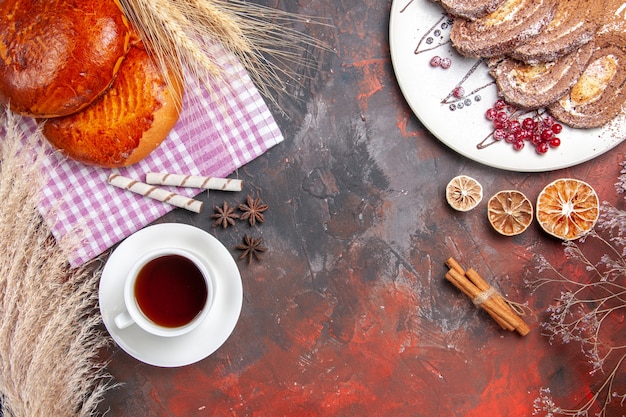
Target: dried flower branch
<point>49,323</point>
<point>590,310</point>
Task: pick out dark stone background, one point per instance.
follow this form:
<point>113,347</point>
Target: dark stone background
<point>349,314</point>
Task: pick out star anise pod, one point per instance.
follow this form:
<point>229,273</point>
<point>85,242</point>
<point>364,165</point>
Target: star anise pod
<point>251,248</point>
<point>253,210</point>
<point>224,216</point>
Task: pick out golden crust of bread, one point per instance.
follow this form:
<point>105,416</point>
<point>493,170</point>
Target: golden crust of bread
<point>57,56</point>
<point>128,122</point>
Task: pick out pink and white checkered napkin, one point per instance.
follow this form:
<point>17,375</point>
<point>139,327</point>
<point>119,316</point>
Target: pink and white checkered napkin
<point>209,139</point>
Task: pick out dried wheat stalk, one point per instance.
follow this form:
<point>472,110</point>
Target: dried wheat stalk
<point>184,33</point>
<point>49,334</point>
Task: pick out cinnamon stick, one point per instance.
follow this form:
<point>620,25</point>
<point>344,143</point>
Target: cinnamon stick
<point>452,264</point>
<point>508,313</point>
<point>475,287</point>
<point>469,289</point>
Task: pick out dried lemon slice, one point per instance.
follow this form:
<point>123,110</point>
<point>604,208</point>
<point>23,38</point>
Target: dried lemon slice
<point>567,208</point>
<point>510,212</point>
<point>463,193</point>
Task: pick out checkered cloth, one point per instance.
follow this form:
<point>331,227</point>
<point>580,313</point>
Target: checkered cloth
<point>217,133</point>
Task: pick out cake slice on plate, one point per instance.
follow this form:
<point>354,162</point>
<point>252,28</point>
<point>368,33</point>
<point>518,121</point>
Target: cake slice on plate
<point>501,31</point>
<point>532,86</point>
<point>470,9</point>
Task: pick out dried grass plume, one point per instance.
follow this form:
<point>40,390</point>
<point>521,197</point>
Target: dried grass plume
<point>49,323</point>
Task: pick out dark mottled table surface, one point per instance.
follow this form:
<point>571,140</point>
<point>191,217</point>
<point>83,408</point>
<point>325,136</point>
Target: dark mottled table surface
<point>348,313</point>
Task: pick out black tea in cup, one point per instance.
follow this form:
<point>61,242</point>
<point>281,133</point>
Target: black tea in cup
<point>171,291</point>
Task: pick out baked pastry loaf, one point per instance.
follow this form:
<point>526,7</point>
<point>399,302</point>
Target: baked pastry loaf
<point>503,30</point>
<point>531,86</point>
<point>128,122</point>
<point>57,56</point>
<point>574,24</point>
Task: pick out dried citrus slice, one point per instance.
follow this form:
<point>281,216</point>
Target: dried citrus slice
<point>567,208</point>
<point>463,193</point>
<point>510,212</point>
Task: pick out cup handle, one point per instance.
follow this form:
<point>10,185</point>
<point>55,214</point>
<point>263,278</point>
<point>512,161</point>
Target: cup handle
<point>123,320</point>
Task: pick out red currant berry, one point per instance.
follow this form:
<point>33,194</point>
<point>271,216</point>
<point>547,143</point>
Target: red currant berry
<point>446,63</point>
<point>528,135</point>
<point>542,148</point>
<point>514,125</point>
<point>557,128</point>
<point>502,116</point>
<point>499,134</point>
<point>519,145</point>
<point>435,61</point>
<point>491,114</point>
<point>499,124</point>
<point>458,92</point>
<point>529,124</point>
<point>548,120</point>
<point>535,139</point>
<point>555,142</point>
<point>520,134</point>
<point>499,105</point>
<point>546,135</point>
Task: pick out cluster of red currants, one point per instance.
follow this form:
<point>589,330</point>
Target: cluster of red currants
<point>541,130</point>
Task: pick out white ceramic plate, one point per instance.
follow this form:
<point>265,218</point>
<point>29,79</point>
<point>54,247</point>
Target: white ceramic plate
<point>202,341</point>
<point>419,30</point>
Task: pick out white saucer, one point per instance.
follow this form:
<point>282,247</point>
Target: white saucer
<point>202,341</point>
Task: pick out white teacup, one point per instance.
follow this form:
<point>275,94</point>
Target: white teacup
<point>168,292</point>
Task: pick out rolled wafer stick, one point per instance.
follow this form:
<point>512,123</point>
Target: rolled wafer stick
<point>194,181</point>
<point>155,193</point>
